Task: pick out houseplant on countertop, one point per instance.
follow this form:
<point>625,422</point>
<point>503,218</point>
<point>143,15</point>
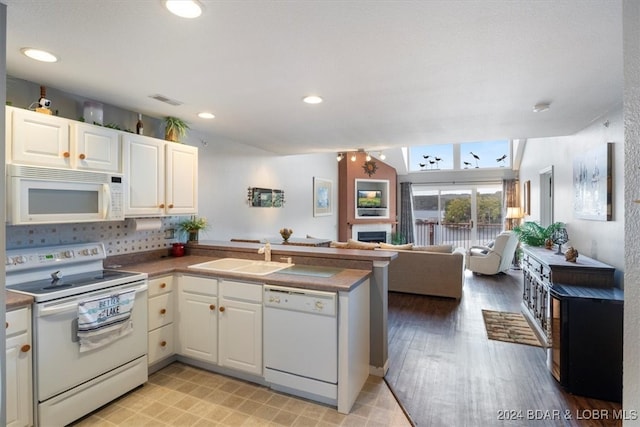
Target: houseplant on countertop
<point>175,128</point>
<point>192,227</point>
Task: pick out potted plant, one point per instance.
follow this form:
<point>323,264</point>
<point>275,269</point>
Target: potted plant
<point>533,234</point>
<point>192,227</point>
<point>175,128</point>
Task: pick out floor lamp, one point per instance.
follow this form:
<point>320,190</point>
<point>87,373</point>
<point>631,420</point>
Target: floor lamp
<point>514,214</point>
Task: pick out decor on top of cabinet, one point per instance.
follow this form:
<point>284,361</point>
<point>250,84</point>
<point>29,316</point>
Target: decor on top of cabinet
<point>175,128</point>
<point>192,227</point>
<point>286,233</point>
<point>571,254</point>
<point>43,102</point>
<point>533,234</point>
<point>560,237</point>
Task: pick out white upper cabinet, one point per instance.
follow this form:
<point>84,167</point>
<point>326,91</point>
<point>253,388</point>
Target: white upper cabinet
<point>95,148</point>
<point>181,179</point>
<point>44,140</point>
<point>37,139</point>
<point>161,178</point>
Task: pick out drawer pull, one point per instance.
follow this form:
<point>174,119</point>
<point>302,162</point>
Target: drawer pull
<point>163,285</point>
<point>82,156</point>
<point>212,307</point>
<point>161,205</point>
<point>25,348</point>
<point>221,309</point>
<point>163,343</point>
<point>163,311</point>
<point>170,205</point>
<point>66,154</point>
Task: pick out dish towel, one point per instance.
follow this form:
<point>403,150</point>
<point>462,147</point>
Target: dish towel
<point>105,319</point>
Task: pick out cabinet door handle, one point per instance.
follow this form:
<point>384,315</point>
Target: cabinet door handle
<point>6,325</point>
<point>25,348</point>
<point>170,205</point>
<point>163,311</point>
<point>161,205</point>
<point>66,154</point>
<point>212,307</point>
<point>221,308</point>
<point>163,285</point>
<point>82,156</point>
<point>163,343</point>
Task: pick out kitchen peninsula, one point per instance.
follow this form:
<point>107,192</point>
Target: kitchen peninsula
<point>354,280</point>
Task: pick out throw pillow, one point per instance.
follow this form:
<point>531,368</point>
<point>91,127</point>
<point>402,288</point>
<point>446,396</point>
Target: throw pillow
<point>405,247</point>
<point>446,249</point>
<point>356,244</point>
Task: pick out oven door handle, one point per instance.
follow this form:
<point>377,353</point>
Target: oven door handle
<point>61,308</point>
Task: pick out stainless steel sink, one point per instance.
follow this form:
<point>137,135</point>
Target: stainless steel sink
<point>244,266</point>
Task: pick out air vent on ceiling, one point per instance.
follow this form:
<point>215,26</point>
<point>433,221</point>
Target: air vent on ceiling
<point>165,99</point>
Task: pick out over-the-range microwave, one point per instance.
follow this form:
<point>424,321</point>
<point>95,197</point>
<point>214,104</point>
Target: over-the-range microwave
<point>42,195</point>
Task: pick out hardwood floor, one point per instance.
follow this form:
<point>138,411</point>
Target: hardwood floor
<point>445,371</point>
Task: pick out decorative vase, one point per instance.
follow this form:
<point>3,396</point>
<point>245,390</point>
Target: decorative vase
<point>193,236</point>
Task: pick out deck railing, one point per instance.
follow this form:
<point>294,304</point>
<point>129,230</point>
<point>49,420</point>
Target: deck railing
<point>457,234</point>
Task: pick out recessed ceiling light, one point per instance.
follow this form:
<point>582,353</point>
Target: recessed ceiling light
<point>38,54</point>
<point>539,108</point>
<point>312,99</point>
<point>205,115</point>
<point>184,8</point>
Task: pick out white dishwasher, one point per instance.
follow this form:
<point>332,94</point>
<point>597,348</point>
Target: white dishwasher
<point>301,342</point>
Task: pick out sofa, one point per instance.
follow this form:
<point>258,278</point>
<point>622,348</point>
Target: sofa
<point>436,270</point>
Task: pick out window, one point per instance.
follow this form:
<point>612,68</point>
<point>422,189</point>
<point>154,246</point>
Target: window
<point>465,155</point>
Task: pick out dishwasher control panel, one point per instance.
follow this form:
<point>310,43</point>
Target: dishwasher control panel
<point>305,300</point>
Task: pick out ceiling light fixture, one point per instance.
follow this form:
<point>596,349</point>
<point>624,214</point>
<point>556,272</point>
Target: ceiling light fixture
<point>205,115</point>
<point>353,157</point>
<point>339,157</point>
<point>368,158</point>
<point>312,99</point>
<point>382,156</point>
<point>539,108</point>
<point>38,54</point>
<point>184,8</point>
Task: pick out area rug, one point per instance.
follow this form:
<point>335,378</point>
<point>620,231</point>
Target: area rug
<point>509,327</point>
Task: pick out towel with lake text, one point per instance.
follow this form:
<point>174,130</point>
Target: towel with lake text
<point>105,319</point>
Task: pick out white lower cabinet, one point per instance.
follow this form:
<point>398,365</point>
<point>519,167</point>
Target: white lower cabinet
<point>160,319</point>
<point>18,364</point>
<point>240,326</point>
<point>198,318</point>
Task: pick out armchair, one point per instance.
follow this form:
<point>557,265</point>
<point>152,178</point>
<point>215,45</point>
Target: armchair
<point>496,259</point>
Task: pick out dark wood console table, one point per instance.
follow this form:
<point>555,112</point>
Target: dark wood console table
<point>577,311</point>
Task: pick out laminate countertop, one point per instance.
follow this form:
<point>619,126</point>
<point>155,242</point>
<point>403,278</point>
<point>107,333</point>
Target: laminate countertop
<point>343,281</point>
<point>15,300</point>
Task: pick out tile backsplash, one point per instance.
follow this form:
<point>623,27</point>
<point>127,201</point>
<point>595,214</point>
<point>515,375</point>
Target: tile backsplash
<point>119,237</point>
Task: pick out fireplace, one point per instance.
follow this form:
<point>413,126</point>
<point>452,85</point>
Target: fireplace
<point>372,236</point>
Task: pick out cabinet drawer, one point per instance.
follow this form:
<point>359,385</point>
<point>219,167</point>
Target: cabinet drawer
<point>160,310</point>
<point>199,285</point>
<point>17,321</point>
<point>240,290</point>
<point>160,285</point>
<point>161,343</point>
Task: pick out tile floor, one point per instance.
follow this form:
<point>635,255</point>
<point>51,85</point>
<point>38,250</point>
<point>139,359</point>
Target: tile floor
<point>182,395</point>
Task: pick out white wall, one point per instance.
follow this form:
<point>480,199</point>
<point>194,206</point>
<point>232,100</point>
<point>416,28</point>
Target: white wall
<point>631,355</point>
<point>602,240</point>
<point>224,179</point>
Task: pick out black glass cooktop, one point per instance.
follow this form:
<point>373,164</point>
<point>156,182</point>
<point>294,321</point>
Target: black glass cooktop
<point>47,286</point>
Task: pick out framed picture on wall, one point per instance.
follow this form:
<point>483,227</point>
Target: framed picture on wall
<point>527,197</point>
<point>322,196</point>
<point>592,184</point>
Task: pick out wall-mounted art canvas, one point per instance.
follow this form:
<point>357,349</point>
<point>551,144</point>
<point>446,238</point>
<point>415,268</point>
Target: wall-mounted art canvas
<point>593,184</point>
<point>322,195</point>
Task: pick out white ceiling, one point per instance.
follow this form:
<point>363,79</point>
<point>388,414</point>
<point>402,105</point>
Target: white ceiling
<point>392,73</point>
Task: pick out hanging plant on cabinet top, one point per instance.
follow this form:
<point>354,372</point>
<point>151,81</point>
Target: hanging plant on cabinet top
<point>175,129</point>
<point>370,167</point>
